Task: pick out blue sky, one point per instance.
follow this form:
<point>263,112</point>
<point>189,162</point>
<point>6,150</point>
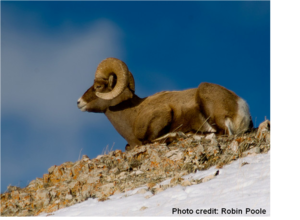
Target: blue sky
<point>50,51</point>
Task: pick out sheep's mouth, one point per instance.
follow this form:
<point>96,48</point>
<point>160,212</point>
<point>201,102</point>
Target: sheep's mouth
<point>81,105</point>
<point>82,108</point>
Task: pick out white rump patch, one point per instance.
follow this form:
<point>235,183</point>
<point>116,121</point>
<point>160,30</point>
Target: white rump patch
<point>229,126</point>
<point>243,117</point>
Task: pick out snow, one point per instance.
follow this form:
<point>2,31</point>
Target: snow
<point>237,188</point>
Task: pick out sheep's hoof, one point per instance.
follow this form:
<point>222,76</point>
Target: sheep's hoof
<point>128,147</point>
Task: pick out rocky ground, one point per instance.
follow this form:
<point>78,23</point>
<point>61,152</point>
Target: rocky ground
<point>171,156</point>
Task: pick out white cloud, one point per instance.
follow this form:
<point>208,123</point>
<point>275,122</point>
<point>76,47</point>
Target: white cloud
<point>43,74</point>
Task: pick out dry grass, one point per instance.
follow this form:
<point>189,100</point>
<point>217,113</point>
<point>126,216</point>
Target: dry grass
<point>107,150</point>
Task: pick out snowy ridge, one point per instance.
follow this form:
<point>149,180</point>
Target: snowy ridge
<point>245,183</point>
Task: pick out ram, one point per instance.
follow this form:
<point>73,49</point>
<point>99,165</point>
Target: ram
<point>208,108</point>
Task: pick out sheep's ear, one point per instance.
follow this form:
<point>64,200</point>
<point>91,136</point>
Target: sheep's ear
<point>111,81</point>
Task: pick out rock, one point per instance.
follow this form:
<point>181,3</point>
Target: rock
<point>244,163</point>
<point>213,139</point>
<point>42,197</point>
<point>46,178</point>
<point>67,175</point>
<point>136,173</point>
<point>154,157</point>
<point>227,157</point>
<point>39,182</point>
<point>24,213</point>
<point>118,153</point>
<point>151,185</point>
<point>11,188</point>
<point>234,146</point>
<point>86,190</point>
<point>263,128</point>
<point>101,165</point>
<point>255,150</point>
<point>145,165</point>
<point>214,143</point>
<point>25,199</point>
<point>199,149</point>
<point>92,179</point>
<point>53,193</point>
<point>186,183</point>
<point>76,170</point>
<point>69,197</point>
<point>132,151</point>
<point>143,208</point>
<point>11,207</point>
<point>114,170</point>
<point>212,150</point>
<point>176,180</point>
<point>110,177</point>
<point>175,155</point>
<point>58,172</point>
<point>117,191</point>
<point>133,163</point>
<point>207,178</point>
<point>183,173</point>
<point>83,177</point>
<point>188,160</point>
<point>32,184</point>
<point>50,170</point>
<point>141,191</point>
<point>139,172</point>
<point>15,195</point>
<point>107,189</point>
<point>85,168</point>
<point>171,153</point>
<point>99,157</point>
<point>111,153</point>
<point>52,208</point>
<point>211,136</point>
<point>181,134</point>
<point>197,137</point>
<point>122,175</point>
<point>158,190</point>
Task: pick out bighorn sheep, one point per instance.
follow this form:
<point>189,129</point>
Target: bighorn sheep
<point>208,108</point>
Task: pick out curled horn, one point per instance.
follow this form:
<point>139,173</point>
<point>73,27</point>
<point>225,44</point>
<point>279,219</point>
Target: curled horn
<point>131,82</point>
<point>117,67</point>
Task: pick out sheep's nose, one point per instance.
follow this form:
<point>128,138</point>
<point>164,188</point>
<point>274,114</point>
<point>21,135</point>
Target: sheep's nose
<point>78,101</point>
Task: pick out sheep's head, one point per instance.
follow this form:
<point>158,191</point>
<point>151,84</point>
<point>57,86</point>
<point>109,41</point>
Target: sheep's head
<point>113,84</point>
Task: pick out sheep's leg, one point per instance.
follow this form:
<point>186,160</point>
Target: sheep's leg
<point>228,125</point>
<point>152,124</point>
<point>160,123</point>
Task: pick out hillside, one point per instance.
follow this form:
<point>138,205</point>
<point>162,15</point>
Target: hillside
<point>145,168</point>
<point>241,188</point>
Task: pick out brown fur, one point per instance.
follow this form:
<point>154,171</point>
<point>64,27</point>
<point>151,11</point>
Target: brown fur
<point>217,103</point>
<point>141,120</point>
